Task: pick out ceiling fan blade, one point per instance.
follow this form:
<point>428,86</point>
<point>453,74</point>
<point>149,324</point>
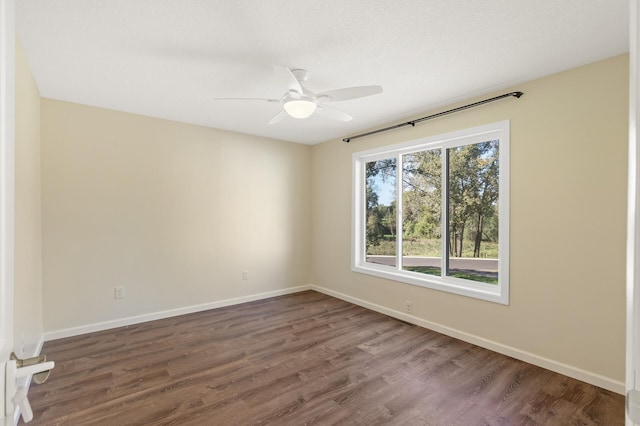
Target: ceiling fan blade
<point>278,117</point>
<point>247,99</point>
<point>332,113</point>
<point>285,74</point>
<point>350,93</point>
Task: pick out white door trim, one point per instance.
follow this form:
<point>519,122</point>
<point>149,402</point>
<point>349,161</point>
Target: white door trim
<point>7,181</point>
<point>633,212</point>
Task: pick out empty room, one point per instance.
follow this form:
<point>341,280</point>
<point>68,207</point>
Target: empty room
<point>295,213</point>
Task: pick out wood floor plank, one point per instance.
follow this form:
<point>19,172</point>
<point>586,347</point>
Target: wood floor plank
<point>301,359</point>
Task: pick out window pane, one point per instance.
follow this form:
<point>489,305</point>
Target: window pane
<point>421,212</point>
<point>381,212</point>
<point>473,177</point>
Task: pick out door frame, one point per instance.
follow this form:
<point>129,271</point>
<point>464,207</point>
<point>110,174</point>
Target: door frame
<point>7,184</point>
<point>632,379</point>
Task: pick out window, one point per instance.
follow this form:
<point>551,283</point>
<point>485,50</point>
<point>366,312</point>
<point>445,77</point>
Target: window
<point>434,212</point>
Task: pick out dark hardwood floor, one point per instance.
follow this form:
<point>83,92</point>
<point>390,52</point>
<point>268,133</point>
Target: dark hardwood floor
<point>302,359</point>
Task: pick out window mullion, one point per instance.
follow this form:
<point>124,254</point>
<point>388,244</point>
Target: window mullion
<point>444,271</point>
<point>399,231</point>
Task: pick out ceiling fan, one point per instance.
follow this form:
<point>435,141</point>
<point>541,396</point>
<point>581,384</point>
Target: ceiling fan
<point>300,102</point>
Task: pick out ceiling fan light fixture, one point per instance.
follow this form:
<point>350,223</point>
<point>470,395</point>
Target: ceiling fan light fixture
<point>300,108</point>
<point>299,102</point>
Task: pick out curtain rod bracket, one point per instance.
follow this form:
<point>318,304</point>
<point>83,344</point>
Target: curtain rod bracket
<point>429,117</point>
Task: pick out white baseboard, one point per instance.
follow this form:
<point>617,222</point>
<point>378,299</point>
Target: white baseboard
<point>549,364</point>
<point>106,325</point>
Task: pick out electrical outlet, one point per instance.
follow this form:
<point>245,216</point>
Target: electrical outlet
<point>408,306</point>
<point>118,293</point>
<point>245,275</point>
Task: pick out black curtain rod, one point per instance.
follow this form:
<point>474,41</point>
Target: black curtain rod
<point>429,117</point>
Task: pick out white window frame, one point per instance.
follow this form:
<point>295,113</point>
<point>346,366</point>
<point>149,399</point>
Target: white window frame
<point>491,292</point>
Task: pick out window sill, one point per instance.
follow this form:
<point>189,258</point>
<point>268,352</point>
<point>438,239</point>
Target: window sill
<point>488,292</point>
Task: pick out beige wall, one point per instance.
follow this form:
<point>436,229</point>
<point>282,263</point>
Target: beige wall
<point>172,212</point>
<point>28,222</point>
<point>568,212</point>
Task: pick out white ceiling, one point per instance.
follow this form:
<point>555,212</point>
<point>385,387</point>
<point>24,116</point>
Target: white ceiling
<point>169,58</point>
